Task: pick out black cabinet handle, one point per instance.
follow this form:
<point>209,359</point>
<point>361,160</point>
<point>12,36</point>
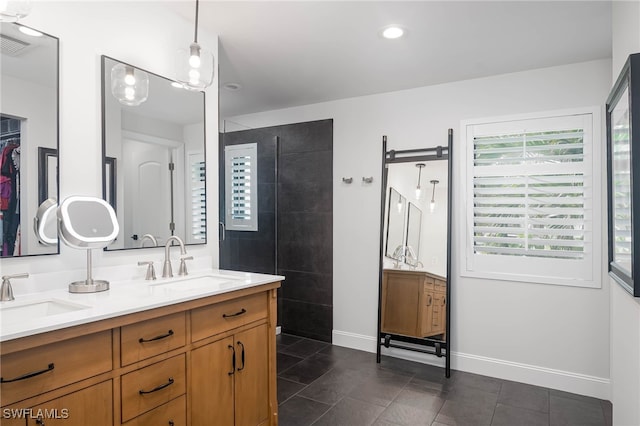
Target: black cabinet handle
<point>157,388</point>
<point>171,423</point>
<point>233,360</point>
<point>162,336</point>
<point>28,375</point>
<point>242,311</point>
<point>241,355</point>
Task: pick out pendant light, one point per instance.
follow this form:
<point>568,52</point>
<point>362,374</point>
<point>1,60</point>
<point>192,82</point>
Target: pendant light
<point>14,10</point>
<point>129,86</point>
<point>195,65</point>
<point>432,204</point>
<point>418,190</point>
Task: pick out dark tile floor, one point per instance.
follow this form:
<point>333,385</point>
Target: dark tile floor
<point>321,384</point>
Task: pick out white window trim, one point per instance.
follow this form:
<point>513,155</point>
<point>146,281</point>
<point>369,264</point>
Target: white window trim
<point>521,269</point>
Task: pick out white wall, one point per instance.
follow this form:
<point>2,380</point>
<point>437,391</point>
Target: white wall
<point>141,33</point>
<point>625,310</point>
<point>37,104</point>
<point>543,334</point>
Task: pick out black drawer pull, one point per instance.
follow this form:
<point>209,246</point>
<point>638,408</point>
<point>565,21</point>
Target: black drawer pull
<point>157,388</point>
<point>242,311</point>
<point>28,375</point>
<point>162,336</point>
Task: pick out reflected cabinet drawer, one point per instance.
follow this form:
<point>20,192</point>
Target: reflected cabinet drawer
<point>152,386</point>
<point>41,369</point>
<point>173,413</point>
<point>149,338</point>
<point>214,319</point>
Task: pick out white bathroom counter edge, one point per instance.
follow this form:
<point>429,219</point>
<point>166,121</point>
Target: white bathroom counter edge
<point>123,298</point>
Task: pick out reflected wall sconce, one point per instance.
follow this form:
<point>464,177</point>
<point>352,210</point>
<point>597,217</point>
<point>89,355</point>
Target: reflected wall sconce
<point>432,204</point>
<point>14,10</point>
<point>367,179</point>
<point>347,180</point>
<point>129,85</point>
<point>194,66</point>
<point>418,190</point>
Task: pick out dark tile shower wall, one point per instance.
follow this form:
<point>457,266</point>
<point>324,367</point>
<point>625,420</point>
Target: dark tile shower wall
<point>305,225</point>
<point>305,228</point>
<point>252,251</point>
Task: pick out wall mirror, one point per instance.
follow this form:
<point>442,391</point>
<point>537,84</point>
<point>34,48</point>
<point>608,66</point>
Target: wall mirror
<point>420,265</point>
<point>395,228</point>
<point>153,156</point>
<point>28,129</point>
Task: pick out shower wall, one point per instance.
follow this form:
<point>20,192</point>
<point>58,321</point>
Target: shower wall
<point>295,222</point>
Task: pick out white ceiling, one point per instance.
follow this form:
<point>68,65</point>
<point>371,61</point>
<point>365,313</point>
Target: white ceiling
<point>294,53</point>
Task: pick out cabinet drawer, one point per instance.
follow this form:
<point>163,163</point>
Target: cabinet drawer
<point>152,386</point>
<point>440,285</point>
<point>214,319</point>
<point>148,338</point>
<point>428,283</point>
<point>172,413</point>
<point>35,371</point>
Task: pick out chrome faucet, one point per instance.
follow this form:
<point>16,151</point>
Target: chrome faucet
<point>149,237</point>
<point>6,292</point>
<point>167,272</point>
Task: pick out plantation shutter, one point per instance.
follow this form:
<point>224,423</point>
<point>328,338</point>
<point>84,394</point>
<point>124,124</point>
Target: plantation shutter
<point>241,187</point>
<point>530,199</point>
<point>198,198</point>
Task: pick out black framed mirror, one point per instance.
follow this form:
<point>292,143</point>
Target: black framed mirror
<point>29,121</point>
<point>153,139</point>
<point>407,322</point>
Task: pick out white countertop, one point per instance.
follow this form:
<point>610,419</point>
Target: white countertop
<point>123,297</point>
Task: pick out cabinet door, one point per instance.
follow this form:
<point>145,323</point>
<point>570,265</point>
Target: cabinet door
<point>91,406</point>
<point>252,376</point>
<point>439,312</point>
<point>212,373</point>
<point>427,314</point>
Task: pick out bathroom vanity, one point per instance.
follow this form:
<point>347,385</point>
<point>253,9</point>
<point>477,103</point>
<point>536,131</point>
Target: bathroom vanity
<point>167,353</point>
<point>413,303</point>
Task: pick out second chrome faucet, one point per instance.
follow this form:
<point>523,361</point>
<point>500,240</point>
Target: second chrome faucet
<point>167,271</point>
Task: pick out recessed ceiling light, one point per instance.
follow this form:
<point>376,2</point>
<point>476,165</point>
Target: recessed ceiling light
<point>232,87</point>
<point>392,32</point>
<point>28,31</point>
<point>177,85</point>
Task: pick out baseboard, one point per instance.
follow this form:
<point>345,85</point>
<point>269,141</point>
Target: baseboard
<point>583,384</point>
<point>567,381</point>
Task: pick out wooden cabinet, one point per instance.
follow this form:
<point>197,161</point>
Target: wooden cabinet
<point>413,303</point>
<point>90,406</point>
<point>202,362</point>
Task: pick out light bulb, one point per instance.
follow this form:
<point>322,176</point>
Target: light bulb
<point>432,206</point>
<point>129,93</point>
<point>399,206</point>
<point>194,61</point>
<point>130,79</point>
<point>418,193</point>
<point>194,76</point>
<point>393,32</point>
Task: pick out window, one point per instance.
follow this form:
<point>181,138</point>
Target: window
<point>532,199</point>
<point>198,211</point>
<point>241,195</point>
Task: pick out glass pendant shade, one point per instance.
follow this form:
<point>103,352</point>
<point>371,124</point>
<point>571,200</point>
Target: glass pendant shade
<point>14,10</point>
<point>129,85</point>
<point>195,67</point>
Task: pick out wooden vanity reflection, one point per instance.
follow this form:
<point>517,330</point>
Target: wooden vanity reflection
<point>414,303</point>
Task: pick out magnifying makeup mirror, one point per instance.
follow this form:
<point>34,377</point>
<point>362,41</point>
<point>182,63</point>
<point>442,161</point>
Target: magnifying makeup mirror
<point>87,223</point>
<point>45,224</point>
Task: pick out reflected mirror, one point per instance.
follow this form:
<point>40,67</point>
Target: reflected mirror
<point>397,212</point>
<point>153,157</point>
<point>28,128</point>
<point>414,284</point>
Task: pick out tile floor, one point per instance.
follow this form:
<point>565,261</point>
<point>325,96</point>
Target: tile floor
<point>321,384</point>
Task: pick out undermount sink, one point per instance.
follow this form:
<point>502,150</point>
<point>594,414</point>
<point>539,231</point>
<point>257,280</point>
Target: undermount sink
<point>196,283</point>
<point>43,308</point>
